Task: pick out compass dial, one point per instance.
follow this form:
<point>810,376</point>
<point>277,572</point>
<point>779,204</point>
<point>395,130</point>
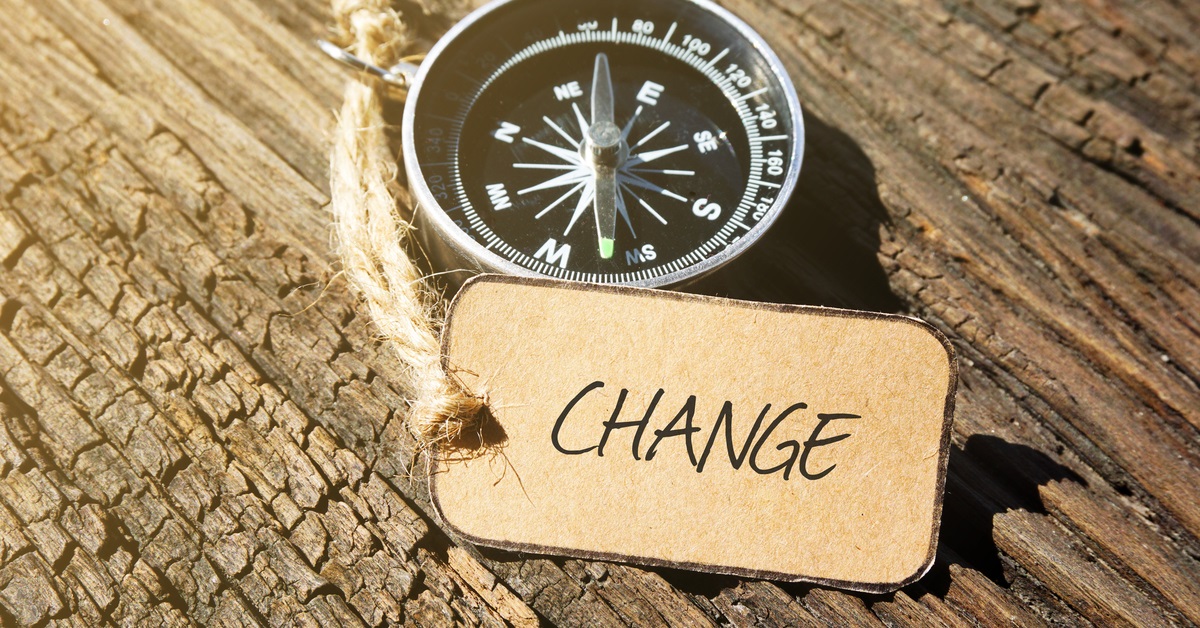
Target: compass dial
<point>626,142</point>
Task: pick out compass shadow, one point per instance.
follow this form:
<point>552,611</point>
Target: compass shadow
<point>823,248</point>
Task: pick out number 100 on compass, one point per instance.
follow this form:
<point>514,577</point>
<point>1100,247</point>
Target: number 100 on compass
<point>630,142</point>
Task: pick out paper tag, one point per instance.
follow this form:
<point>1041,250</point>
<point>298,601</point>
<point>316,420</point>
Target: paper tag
<point>770,441</point>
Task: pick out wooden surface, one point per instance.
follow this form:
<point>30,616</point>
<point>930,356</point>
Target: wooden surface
<point>198,427</point>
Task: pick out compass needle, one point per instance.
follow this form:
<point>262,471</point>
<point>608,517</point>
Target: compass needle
<point>605,150</point>
<point>606,210</point>
<point>602,92</point>
<point>624,142</point>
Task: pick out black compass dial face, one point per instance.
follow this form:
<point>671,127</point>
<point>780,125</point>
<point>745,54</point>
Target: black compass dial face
<point>612,142</point>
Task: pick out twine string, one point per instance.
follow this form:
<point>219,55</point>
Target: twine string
<point>371,232</point>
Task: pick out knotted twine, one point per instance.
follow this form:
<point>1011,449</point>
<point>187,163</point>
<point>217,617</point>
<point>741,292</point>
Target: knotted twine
<point>371,232</point>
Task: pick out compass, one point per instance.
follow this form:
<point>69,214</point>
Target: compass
<point>633,142</point>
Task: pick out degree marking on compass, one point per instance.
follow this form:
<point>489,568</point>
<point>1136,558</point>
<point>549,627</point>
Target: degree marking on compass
<point>561,132</point>
<point>681,173</point>
<point>752,94</point>
<point>623,211</point>
<point>562,153</point>
<point>653,134</point>
<point>562,198</point>
<point>642,158</point>
<point>585,201</point>
<point>629,125</point>
<point>718,57</point>
<point>633,179</point>
<point>769,138</point>
<point>545,166</point>
<point>583,121</point>
<point>652,212</point>
<point>670,31</point>
<point>569,178</point>
<point>470,79</point>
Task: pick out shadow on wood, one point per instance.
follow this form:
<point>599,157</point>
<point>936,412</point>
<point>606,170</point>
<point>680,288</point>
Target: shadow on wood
<point>990,476</point>
<point>973,498</point>
<point>824,248</point>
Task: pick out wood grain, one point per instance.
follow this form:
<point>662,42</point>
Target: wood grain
<point>198,427</point>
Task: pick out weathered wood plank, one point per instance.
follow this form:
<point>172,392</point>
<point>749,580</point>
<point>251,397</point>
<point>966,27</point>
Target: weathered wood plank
<point>197,425</point>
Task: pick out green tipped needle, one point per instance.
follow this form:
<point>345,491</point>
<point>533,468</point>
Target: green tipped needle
<point>605,145</point>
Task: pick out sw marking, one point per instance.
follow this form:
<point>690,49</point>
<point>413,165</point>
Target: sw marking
<point>741,453</point>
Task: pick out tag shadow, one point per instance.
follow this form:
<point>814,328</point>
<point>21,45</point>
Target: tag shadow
<point>486,437</point>
<point>989,476</point>
<point>824,247</point>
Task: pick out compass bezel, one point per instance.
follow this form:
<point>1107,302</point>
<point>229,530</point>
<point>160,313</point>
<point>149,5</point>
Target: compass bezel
<point>431,215</point>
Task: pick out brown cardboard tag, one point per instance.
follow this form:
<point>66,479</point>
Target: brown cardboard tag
<point>780,442</point>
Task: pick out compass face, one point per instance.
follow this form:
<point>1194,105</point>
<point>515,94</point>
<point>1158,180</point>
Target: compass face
<point>625,142</point>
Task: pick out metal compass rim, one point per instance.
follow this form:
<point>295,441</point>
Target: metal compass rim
<point>467,248</point>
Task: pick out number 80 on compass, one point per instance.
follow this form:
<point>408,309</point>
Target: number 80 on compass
<point>624,142</point>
